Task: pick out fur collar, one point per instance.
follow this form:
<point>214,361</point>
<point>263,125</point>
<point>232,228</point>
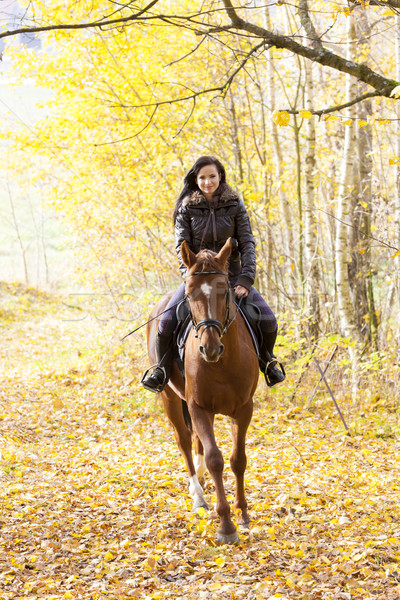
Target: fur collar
<point>197,197</point>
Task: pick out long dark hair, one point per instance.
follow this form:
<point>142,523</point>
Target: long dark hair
<point>189,181</point>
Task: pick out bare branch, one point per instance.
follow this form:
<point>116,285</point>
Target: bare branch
<point>365,235</point>
<point>395,4</point>
<point>71,26</point>
<point>321,56</point>
<point>331,109</point>
<point>188,53</point>
<point>187,119</point>
<point>221,88</point>
<point>131,137</point>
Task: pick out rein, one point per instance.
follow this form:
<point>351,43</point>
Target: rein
<point>205,323</point>
<point>152,319</point>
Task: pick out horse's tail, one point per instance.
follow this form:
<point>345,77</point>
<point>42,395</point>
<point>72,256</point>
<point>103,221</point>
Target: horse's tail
<point>186,416</point>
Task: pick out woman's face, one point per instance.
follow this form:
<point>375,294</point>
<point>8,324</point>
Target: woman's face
<point>208,180</point>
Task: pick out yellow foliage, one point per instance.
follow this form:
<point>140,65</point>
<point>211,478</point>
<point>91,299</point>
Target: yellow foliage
<point>281,117</point>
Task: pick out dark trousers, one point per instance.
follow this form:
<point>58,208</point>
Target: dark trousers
<point>254,305</point>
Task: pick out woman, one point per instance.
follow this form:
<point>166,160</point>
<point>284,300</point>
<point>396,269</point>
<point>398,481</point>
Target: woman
<point>207,213</point>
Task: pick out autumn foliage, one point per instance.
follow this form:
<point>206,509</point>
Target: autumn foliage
<point>94,499</point>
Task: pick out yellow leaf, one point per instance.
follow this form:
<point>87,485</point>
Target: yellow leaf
<point>396,254</point>
<point>306,114</point>
<point>290,583</point>
<point>201,526</point>
<point>362,123</point>
<point>348,122</point>
<point>357,557</point>
<point>281,117</point>
<point>109,555</point>
<point>215,586</point>
<point>220,561</point>
<point>86,529</point>
<point>201,511</point>
<point>67,596</point>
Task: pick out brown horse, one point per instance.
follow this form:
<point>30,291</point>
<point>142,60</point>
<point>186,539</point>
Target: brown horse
<point>221,374</point>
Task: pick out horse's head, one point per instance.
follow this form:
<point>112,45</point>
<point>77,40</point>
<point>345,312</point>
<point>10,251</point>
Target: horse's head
<point>208,294</point>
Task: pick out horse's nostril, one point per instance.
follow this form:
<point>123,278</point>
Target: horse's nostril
<point>201,348</point>
<point>221,349</point>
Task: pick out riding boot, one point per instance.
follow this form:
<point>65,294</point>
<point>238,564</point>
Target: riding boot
<point>162,370</point>
<point>273,370</point>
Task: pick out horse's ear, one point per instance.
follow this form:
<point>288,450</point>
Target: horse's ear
<point>225,252</point>
<point>188,257</point>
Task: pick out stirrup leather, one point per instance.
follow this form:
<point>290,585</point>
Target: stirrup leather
<point>158,388</point>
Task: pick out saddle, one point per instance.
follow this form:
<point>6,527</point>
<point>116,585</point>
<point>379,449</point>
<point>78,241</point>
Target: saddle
<point>185,324</point>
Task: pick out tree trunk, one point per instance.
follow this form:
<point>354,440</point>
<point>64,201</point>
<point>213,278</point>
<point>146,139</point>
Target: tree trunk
<point>18,233</point>
<point>283,199</point>
<point>235,137</point>
<point>296,131</point>
<point>360,267</point>
<point>397,197</point>
<point>267,284</point>
<point>312,268</point>
<point>289,251</point>
<point>346,191</point>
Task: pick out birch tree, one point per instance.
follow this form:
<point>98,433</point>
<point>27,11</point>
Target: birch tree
<point>313,279</point>
<point>346,193</point>
<point>360,266</point>
<point>310,225</point>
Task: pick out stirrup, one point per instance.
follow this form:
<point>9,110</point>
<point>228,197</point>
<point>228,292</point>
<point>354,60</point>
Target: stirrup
<point>158,387</point>
<point>279,374</point>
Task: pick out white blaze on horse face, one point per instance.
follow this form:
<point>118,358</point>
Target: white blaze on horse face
<point>206,289</point>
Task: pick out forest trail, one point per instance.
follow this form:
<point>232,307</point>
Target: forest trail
<point>94,499</point>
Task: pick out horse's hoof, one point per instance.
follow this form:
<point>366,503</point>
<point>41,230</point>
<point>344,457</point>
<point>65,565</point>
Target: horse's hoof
<point>200,503</point>
<point>244,527</point>
<point>231,538</point>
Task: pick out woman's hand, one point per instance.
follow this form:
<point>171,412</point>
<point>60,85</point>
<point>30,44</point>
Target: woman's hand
<point>241,291</point>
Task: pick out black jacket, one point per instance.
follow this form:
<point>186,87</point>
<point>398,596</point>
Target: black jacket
<point>231,221</point>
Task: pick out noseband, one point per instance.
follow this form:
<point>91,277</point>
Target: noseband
<point>204,323</point>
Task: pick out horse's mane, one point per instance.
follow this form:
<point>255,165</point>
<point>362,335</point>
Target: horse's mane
<point>205,261</point>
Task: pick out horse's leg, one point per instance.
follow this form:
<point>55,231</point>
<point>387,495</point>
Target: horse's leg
<point>199,461</point>
<point>183,436</point>
<point>238,459</point>
<point>203,422</point>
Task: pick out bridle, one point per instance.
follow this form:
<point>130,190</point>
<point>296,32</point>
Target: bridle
<point>221,327</point>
